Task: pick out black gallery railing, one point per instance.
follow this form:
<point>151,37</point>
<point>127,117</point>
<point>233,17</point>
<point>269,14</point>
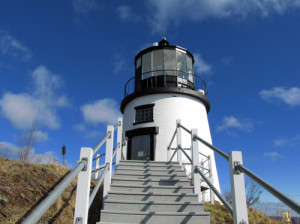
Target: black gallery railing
<point>164,78</point>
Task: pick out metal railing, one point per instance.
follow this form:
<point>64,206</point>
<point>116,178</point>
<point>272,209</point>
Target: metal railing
<point>237,171</point>
<point>164,78</point>
<point>84,172</point>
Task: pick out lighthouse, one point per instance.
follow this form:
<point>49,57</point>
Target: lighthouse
<point>163,91</point>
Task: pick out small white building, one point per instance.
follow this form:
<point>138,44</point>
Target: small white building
<point>164,90</point>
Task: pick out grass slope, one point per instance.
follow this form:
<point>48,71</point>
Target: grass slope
<point>23,186</point>
<point>219,214</point>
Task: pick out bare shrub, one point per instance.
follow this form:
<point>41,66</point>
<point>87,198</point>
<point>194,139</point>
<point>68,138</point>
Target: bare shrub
<point>227,195</point>
<point>26,143</point>
<point>253,193</point>
<point>3,151</point>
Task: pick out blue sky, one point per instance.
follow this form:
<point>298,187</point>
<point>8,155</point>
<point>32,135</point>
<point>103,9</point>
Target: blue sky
<point>64,64</point>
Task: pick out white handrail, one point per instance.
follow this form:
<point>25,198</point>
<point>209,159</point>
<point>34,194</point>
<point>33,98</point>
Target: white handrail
<point>110,153</point>
<point>39,211</point>
<point>237,170</point>
<point>84,170</point>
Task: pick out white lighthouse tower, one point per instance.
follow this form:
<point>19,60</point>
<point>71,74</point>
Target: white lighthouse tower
<point>164,90</point>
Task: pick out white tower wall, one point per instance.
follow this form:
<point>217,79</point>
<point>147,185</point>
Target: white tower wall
<point>167,109</point>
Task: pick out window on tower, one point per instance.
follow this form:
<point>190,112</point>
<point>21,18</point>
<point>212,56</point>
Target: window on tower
<point>144,114</point>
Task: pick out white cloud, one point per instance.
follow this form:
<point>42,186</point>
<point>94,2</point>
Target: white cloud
<point>84,6</point>
<point>24,108</point>
<point>119,63</point>
<point>88,133</point>
<point>10,150</point>
<point>46,158</point>
<point>126,14</point>
<point>174,11</point>
<point>79,127</point>
<point>274,156</point>
<point>227,60</point>
<point>94,134</point>
<point>144,46</point>
<point>231,122</point>
<point>280,142</point>
<point>104,111</point>
<point>40,136</point>
<point>290,96</point>
<point>287,141</point>
<point>11,47</point>
<point>46,85</point>
<point>201,67</point>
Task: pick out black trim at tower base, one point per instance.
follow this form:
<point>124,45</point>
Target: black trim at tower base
<point>184,91</point>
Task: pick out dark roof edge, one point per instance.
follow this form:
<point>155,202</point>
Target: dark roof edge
<point>182,91</point>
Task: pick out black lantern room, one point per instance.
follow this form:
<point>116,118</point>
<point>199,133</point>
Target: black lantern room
<point>165,68</point>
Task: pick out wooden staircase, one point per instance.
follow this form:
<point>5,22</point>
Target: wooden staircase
<point>152,192</point>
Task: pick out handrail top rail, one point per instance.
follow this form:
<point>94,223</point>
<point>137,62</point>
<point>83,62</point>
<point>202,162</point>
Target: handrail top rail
<point>239,167</point>
<point>97,147</point>
<point>84,164</point>
<point>275,192</point>
<point>218,151</point>
<point>45,204</point>
<point>229,208</point>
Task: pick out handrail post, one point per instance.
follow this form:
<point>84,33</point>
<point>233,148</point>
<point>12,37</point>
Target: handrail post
<point>203,170</point>
<point>238,192</point>
<point>168,154</point>
<point>124,150</point>
<point>83,187</point>
<point>195,163</point>
<point>108,160</point>
<point>179,142</point>
<point>97,166</point>
<point>212,195</point>
<point>119,140</point>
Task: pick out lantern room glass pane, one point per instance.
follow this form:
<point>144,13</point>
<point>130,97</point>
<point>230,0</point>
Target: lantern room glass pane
<point>181,63</point>
<point>170,62</point>
<point>189,64</point>
<point>189,68</point>
<point>146,65</point>
<point>138,63</point>
<point>158,62</point>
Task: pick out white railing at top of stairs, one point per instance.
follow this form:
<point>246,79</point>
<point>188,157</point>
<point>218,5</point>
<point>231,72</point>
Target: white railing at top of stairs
<point>237,171</point>
<point>84,172</point>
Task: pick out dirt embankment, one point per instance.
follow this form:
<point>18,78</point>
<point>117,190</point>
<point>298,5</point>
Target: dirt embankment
<point>23,186</point>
